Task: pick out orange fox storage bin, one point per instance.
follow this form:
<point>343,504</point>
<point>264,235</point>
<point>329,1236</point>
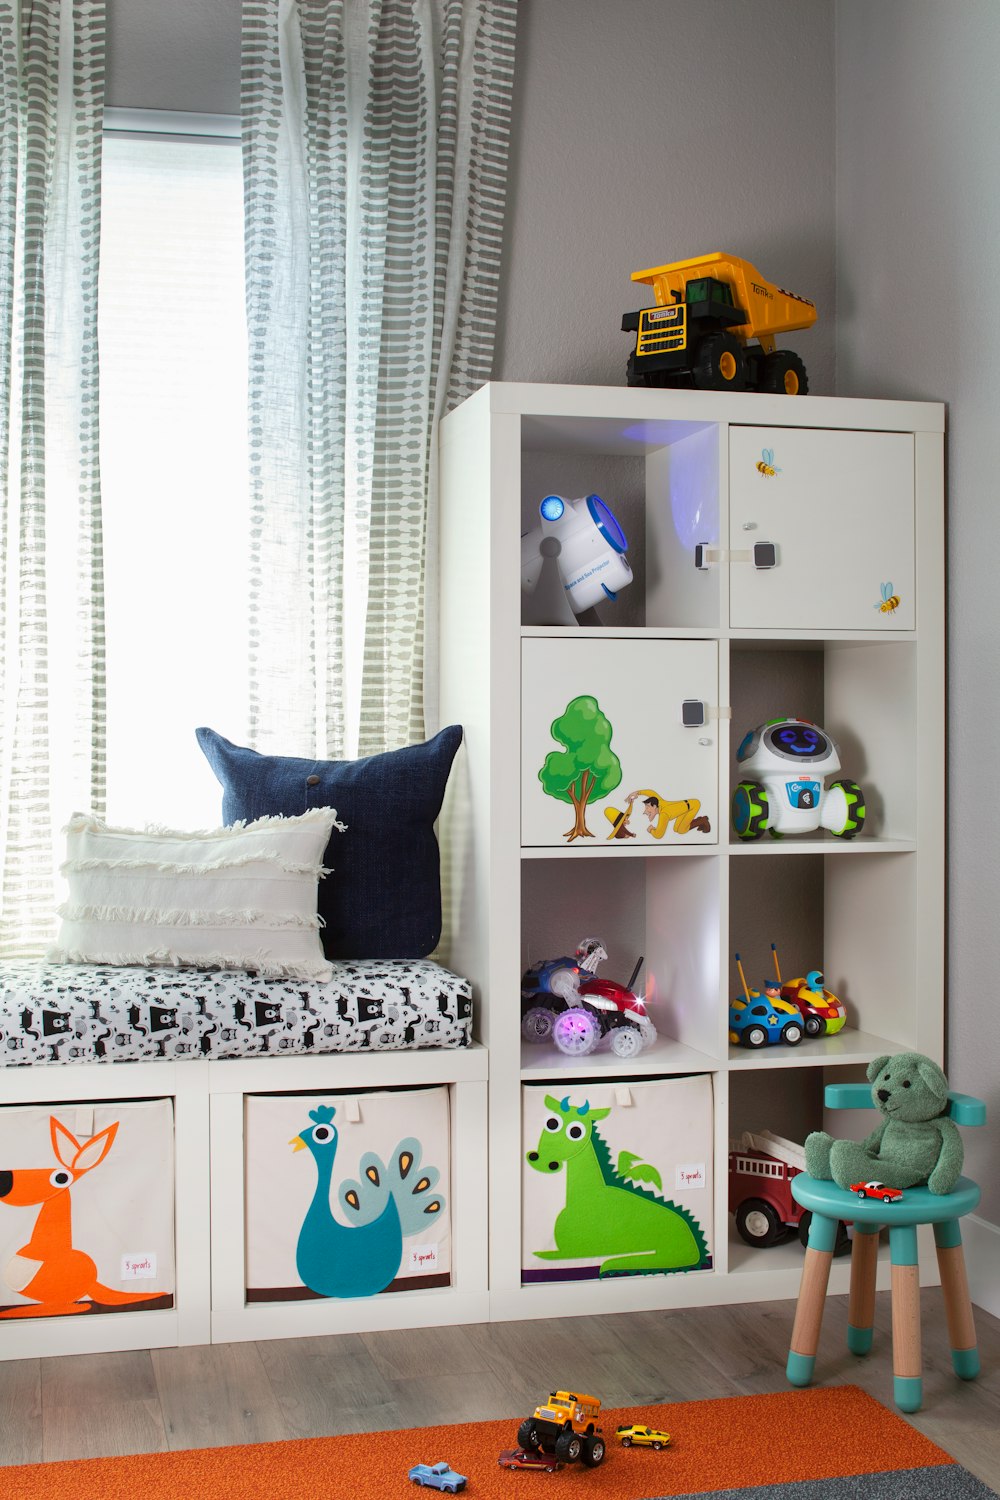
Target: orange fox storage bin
<point>86,1209</point>
<point>347,1194</point>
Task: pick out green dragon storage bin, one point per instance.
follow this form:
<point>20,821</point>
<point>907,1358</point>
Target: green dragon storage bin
<point>347,1195</point>
<point>616,1178</point>
<point>86,1208</point>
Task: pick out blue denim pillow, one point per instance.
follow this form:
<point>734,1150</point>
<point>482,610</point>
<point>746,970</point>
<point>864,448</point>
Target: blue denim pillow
<point>383,899</point>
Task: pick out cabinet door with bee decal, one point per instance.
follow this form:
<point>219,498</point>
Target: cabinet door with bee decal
<point>838,507</point>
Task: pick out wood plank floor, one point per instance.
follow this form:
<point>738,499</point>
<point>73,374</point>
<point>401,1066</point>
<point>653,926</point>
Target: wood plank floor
<point>90,1406</point>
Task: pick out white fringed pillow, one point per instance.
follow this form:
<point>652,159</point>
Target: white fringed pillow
<point>234,898</point>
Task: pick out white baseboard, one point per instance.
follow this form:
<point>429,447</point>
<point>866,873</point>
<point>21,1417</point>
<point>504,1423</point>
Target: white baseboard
<point>982,1258</point>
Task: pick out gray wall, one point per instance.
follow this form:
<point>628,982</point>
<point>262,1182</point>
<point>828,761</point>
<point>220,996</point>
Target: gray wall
<point>650,130</point>
<point>174,54</point>
<point>918,224</point>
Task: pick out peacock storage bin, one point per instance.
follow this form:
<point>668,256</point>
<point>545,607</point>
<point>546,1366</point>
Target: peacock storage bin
<point>616,1178</point>
<point>347,1195</point>
<point>86,1209</point>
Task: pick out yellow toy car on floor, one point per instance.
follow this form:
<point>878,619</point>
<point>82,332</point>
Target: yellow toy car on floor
<point>642,1437</point>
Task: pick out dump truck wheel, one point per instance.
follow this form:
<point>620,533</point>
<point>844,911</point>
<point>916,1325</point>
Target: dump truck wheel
<point>784,374</point>
<point>634,376</point>
<point>721,364</point>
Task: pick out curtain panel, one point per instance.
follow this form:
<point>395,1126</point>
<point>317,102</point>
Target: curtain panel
<point>52,656</point>
<point>375,141</point>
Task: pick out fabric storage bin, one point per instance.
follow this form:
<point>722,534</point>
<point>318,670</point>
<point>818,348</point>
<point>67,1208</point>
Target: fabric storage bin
<point>86,1208</point>
<point>616,1178</point>
<point>347,1195</point>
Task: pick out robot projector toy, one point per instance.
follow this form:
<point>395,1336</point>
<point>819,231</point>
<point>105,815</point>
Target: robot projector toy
<point>789,760</point>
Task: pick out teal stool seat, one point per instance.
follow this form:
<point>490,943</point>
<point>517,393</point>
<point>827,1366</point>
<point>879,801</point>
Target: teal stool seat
<point>828,1204</point>
<point>917,1206</point>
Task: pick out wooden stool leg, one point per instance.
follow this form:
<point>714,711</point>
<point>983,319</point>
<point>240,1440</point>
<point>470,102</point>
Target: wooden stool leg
<point>812,1298</point>
<point>907,1381</point>
<point>861,1305</point>
<point>957,1303</point>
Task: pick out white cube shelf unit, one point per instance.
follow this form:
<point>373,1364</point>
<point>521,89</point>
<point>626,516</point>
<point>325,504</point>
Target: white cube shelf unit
<point>850,496</point>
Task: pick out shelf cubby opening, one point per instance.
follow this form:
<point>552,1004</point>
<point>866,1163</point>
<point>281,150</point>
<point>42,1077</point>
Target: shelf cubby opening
<point>863,694</point>
<point>661,482</point>
<point>666,911</point>
<point>826,913</point>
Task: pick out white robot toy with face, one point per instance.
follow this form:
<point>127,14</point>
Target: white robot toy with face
<point>787,762</point>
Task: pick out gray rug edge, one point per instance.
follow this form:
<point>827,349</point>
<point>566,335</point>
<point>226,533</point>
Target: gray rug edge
<point>939,1482</point>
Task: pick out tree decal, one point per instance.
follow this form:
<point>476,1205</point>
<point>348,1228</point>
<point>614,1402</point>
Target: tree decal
<point>587,767</point>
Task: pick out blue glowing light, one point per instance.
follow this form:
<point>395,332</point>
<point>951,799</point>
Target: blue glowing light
<point>606,524</point>
<point>552,508</point>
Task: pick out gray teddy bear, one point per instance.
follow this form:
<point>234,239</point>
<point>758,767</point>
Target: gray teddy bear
<point>914,1143</point>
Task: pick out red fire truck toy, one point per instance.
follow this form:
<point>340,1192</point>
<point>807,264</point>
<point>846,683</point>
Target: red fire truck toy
<point>761,1168</point>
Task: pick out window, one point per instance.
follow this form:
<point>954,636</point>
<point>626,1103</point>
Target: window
<point>174,467</point>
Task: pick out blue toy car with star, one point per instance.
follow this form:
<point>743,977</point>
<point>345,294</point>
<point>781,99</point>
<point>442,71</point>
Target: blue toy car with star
<point>763,1018</point>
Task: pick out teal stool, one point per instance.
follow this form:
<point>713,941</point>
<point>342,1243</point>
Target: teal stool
<point>830,1203</point>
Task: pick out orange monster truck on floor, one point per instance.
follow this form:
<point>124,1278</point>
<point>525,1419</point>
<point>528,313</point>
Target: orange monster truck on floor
<point>566,1426</point>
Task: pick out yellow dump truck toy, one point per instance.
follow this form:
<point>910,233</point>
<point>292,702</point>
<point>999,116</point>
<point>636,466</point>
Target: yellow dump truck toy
<point>699,333</point>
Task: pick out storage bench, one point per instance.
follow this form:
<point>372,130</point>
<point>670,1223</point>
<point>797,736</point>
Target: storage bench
<point>75,1013</point>
<point>211,1049</point>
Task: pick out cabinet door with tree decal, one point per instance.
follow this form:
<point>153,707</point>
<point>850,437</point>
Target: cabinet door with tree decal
<point>607,759</point>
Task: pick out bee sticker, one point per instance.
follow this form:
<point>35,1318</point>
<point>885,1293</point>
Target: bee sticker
<point>889,602</point>
<point>765,464</point>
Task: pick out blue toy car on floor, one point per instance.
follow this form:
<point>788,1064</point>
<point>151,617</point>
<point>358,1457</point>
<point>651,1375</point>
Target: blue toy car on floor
<point>438,1477</point>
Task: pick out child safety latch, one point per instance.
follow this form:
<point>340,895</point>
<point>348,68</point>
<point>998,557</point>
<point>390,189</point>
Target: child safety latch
<point>695,714</point>
<point>761,554</point>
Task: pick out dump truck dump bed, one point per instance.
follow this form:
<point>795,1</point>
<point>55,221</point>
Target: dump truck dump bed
<point>769,309</point>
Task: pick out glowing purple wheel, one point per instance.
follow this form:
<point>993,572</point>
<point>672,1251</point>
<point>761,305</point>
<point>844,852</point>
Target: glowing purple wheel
<point>576,1032</point>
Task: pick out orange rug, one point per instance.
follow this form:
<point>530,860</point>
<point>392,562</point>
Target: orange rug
<point>737,1443</point>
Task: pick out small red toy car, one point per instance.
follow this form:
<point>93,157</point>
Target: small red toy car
<point>517,1458</point>
<point>877,1190</point>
